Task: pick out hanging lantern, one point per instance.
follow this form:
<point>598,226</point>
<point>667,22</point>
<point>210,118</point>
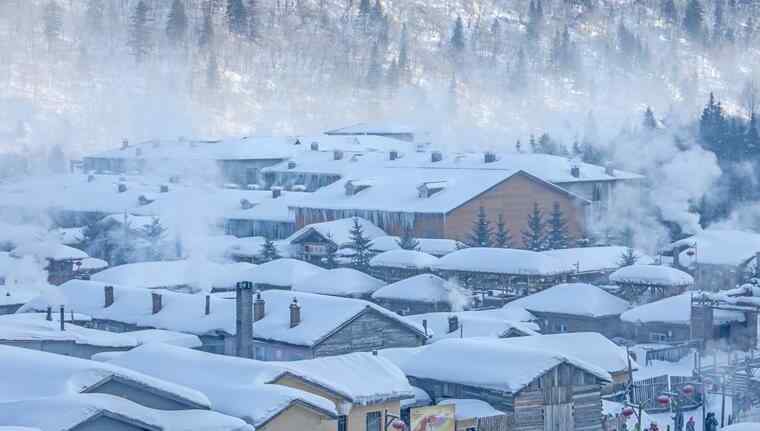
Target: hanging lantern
<point>663,400</point>
<point>688,390</point>
<point>690,252</point>
<point>628,411</point>
<point>398,424</point>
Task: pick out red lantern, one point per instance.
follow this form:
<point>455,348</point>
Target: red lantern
<point>663,400</point>
<point>628,411</point>
<point>398,425</point>
<point>688,390</point>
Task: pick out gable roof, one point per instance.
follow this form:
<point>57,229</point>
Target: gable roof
<point>34,327</point>
<point>717,247</point>
<point>675,310</point>
<point>502,261</point>
<point>427,288</point>
<point>432,246</point>
<point>578,299</point>
<point>282,272</point>
<point>479,323</point>
<point>338,231</point>
<point>372,128</point>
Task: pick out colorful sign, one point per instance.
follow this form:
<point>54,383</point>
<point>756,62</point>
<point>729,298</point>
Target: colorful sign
<point>433,418</point>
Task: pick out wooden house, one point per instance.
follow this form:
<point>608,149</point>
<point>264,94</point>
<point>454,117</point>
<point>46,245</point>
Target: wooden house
<point>59,260</point>
<point>424,293</point>
<point>396,265</point>
<point>575,307</point>
<point>536,390</point>
<point>739,333</point>
<point>313,242</point>
<point>645,283</point>
<point>505,322</point>
<point>595,264</point>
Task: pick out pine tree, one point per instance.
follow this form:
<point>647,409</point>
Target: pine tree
<point>649,122</point>
<point>719,28</point>
<point>693,20</point>
<point>361,246</point>
<point>481,230</point>
<point>237,17</point>
<point>53,22</point>
<point>403,51</point>
<point>628,257</point>
<point>139,33</point>
<point>408,241</point>
<point>375,72</point>
<point>558,235</point>
<point>519,77</point>
<point>376,14</point>
<point>206,32</point>
<point>533,144</point>
<point>533,237</point>
<point>154,233</point>
<point>502,238</point>
<point>269,251</point>
<point>176,23</point>
<point>331,257</point>
<point>457,42</point>
<point>535,20</point>
<point>713,126</point>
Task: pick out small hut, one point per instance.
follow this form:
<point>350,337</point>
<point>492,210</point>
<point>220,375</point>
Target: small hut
<point>396,265</point>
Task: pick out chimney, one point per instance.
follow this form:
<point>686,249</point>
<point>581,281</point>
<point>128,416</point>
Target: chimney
<point>575,171</point>
<point>424,326</point>
<point>124,144</point>
<point>436,156</point>
<point>156,302</point>
<point>291,165</point>
<point>61,317</point>
<point>314,146</point>
<point>258,308</point>
<point>295,313</point>
<point>489,157</point>
<point>108,290</point>
<point>122,188</point>
<point>207,311</point>
<point>609,170</point>
<point>453,323</point>
<point>49,314</point>
<point>90,178</point>
<point>337,155</point>
<point>246,204</point>
<point>276,192</point>
<point>164,188</point>
<point>393,155</point>
<point>244,319</point>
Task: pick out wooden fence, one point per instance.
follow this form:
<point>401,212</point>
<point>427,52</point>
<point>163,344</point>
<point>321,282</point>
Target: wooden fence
<point>671,353</point>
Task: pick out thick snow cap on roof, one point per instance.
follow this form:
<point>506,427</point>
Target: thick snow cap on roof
<point>651,275</point>
<point>675,310</point>
<point>181,339</point>
<point>235,386</point>
<point>593,259</point>
<point>718,247</point>
<point>423,288</point>
<point>339,230</point>
<point>578,299</point>
<point>502,261</point>
<point>30,373</point>
<point>405,259</point>
<point>499,366</point>
<point>485,323</point>
<point>67,412</point>
<point>283,272</point>
<point>433,246</point>
<point>48,250</point>
<point>339,282</point>
<point>362,378</point>
<point>34,327</point>
<point>470,408</point>
<point>160,274</point>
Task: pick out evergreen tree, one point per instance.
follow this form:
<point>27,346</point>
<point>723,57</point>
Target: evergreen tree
<point>519,78</point>
<point>403,51</point>
<point>94,16</point>
<point>457,42</point>
<point>669,11</point>
<point>535,19</point>
<point>154,233</point>
<point>502,238</point>
<point>408,241</point>
<point>713,126</point>
<point>361,246</point>
<point>718,24</point>
<point>53,22</point>
<point>139,33</point>
<point>628,257</point>
<point>649,122</point>
<point>375,72</point>
<point>533,144</point>
<point>693,20</point>
<point>176,23</point>
<point>331,258</point>
<point>558,235</point>
<point>365,9</point>
<point>253,20</point>
<point>237,17</point>
<point>533,237</point>
<point>206,31</point>
<point>269,251</point>
<point>481,230</point>
<point>212,72</point>
<point>376,14</point>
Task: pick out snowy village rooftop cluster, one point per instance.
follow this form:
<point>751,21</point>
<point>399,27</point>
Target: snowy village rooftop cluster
<point>357,280</point>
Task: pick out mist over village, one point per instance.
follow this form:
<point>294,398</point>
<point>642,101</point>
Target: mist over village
<point>379,215</point>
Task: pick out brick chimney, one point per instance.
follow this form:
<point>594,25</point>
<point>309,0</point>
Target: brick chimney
<point>61,317</point>
<point>453,323</point>
<point>244,319</point>
<point>314,146</point>
<point>295,313</point>
<point>575,171</point>
<point>489,157</point>
<point>108,291</point>
<point>156,302</point>
<point>49,314</point>
<point>259,308</point>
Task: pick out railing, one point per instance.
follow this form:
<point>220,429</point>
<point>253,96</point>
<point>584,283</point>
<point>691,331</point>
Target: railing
<point>671,353</point>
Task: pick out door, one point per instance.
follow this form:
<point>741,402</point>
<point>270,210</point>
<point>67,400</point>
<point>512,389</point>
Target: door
<point>558,417</point>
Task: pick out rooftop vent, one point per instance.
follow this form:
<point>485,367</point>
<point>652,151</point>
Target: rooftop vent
<point>354,186</point>
<point>436,156</point>
<point>489,157</point>
<point>575,171</point>
<point>295,313</point>
<point>337,155</point>
<point>291,165</point>
<point>245,204</point>
<point>430,188</point>
<point>453,323</point>
<point>314,146</point>
<point>121,188</point>
<point>164,188</point>
<point>124,144</point>
<point>609,170</point>
<point>143,200</point>
<point>393,155</point>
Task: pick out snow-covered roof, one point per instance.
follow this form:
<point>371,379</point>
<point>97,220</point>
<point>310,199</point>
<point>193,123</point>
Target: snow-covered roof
<point>252,246</point>
<point>366,128</point>
<point>34,327</point>
<point>718,247</point>
<point>17,295</point>
<point>48,250</point>
<point>675,310</point>
<point>283,272</point>
<point>470,408</point>
<point>423,288</point>
<point>407,259</point>
<point>68,236</point>
<point>362,378</point>
<point>91,264</point>
<point>181,339</point>
<point>68,412</point>
<point>485,323</point>
<point>499,365</point>
<point>651,275</point>
<point>596,259</point>
<point>271,210</point>
<point>28,373</point>
<point>578,299</point>
<point>198,275</point>
<point>339,282</point>
<point>502,261</point>
<point>421,398</point>
<point>432,246</point>
<point>339,231</point>
<point>236,386</point>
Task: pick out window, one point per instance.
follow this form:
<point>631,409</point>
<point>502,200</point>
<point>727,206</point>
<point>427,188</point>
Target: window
<point>342,423</point>
<point>449,390</point>
<point>374,421</point>
<point>560,327</point>
<point>657,336</point>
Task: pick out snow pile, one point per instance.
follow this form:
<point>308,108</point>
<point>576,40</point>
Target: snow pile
<point>421,398</point>
<point>470,409</point>
<point>48,250</point>
<point>675,310</point>
<point>68,236</point>
<point>339,231</point>
<point>33,374</point>
<point>426,288</point>
<point>229,274</point>
<point>432,246</point>
<point>404,259</point>
<point>68,412</point>
<point>339,282</point>
<point>502,261</point>
<point>474,324</point>
<point>577,299</point>
<point>34,327</point>
<point>651,275</point>
<point>283,272</point>
<point>596,259</point>
<point>236,386</point>
<point>499,365</point>
<point>717,247</point>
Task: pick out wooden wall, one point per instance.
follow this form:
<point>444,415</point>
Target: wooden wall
<point>550,323</point>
